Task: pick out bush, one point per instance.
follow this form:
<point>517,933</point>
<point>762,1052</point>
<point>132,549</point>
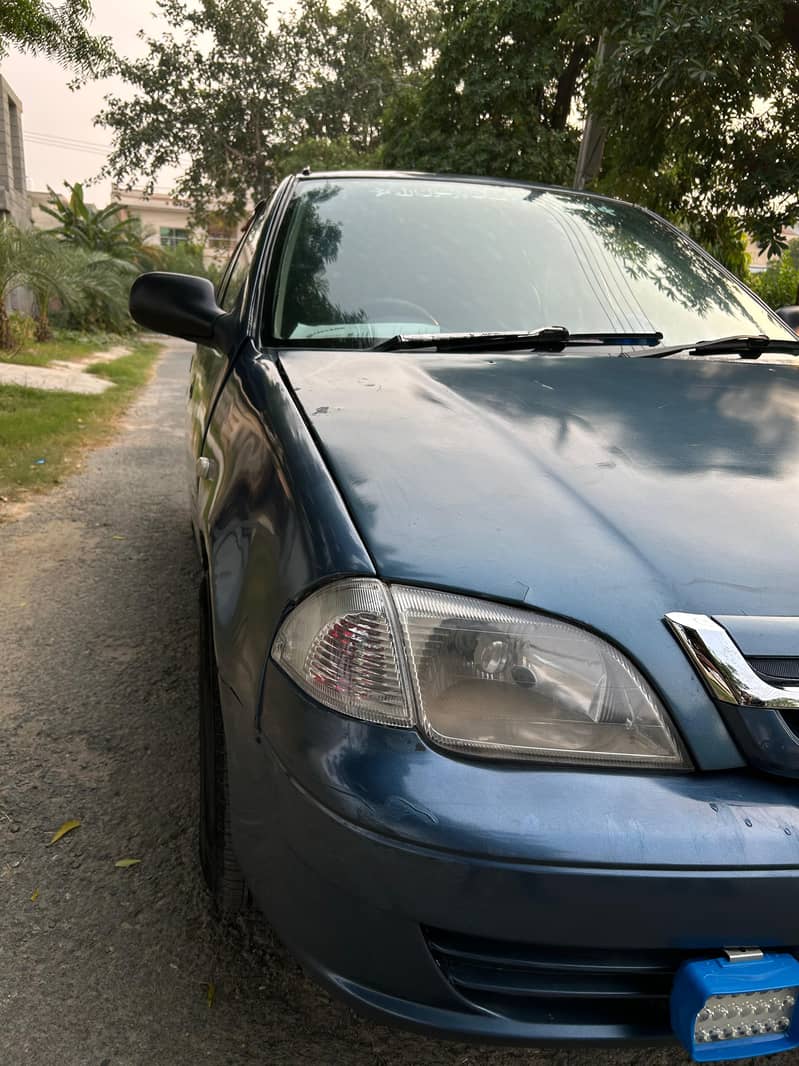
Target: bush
<point>23,330</point>
<point>778,284</point>
<point>101,285</point>
<point>189,258</point>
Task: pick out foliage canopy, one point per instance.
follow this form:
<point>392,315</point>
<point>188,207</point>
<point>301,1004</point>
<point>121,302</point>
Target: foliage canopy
<point>233,96</point>
<point>58,31</point>
<point>499,97</point>
<point>701,102</point>
<point>696,100</point>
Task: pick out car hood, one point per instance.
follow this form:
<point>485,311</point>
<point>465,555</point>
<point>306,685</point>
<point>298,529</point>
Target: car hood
<point>607,490</point>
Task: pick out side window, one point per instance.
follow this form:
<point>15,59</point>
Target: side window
<point>240,263</point>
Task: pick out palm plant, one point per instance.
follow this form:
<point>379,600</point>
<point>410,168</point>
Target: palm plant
<point>12,275</point>
<point>50,274</point>
<point>98,290</point>
<point>105,229</point>
<point>91,286</point>
<point>105,251</point>
<point>30,259</point>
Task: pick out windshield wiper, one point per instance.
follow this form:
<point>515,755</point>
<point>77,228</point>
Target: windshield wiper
<point>601,340</point>
<point>747,347</point>
<point>547,338</point>
<point>552,338</point>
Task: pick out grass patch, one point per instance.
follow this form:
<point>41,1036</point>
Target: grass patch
<point>66,346</point>
<point>58,426</point>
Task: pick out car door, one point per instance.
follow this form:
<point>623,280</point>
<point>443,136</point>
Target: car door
<point>210,362</point>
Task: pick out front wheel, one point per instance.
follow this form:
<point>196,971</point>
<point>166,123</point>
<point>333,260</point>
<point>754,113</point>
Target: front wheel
<point>219,864</point>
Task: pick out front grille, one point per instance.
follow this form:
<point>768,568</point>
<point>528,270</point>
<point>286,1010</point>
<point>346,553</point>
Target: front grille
<point>777,670</point>
<point>783,672</point>
<point>623,992</point>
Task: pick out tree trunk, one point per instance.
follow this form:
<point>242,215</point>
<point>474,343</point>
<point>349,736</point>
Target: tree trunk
<point>567,83</point>
<point>43,331</point>
<point>6,339</point>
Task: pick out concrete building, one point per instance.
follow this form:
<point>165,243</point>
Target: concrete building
<point>166,222</point>
<point>13,183</point>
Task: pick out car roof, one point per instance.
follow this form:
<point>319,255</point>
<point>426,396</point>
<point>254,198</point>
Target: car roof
<point>307,174</point>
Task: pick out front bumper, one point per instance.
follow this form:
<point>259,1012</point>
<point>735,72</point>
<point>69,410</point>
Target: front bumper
<point>499,902</point>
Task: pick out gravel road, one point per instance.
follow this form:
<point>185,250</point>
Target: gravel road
<point>124,967</point>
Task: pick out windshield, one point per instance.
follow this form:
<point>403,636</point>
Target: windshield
<point>365,259</point>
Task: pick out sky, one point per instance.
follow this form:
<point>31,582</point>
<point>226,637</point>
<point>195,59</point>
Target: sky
<point>61,141</point>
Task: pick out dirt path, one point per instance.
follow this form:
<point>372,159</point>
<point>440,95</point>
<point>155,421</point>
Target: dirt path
<point>111,967</point>
<point>62,376</point>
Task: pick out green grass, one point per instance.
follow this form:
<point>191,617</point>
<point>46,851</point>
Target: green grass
<point>59,426</point>
<point>66,346</point>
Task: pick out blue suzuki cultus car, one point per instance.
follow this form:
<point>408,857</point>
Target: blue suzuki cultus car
<point>496,488</point>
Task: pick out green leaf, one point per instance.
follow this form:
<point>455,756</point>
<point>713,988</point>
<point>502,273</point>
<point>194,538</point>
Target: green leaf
<point>62,831</point>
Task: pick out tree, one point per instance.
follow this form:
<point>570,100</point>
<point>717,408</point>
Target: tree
<point>499,98</point>
<point>215,107</point>
<point>227,97</point>
<point>12,274</point>
<point>100,286</point>
<point>98,253</point>
<point>91,286</point>
<point>33,260</point>
<point>323,153</point>
<point>49,274</point>
<point>698,101</point>
<point>58,31</point>
<point>107,230</point>
<point>351,61</point>
<point>778,284</point>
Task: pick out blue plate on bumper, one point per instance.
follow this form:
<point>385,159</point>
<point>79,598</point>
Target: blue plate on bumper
<point>736,1007</point>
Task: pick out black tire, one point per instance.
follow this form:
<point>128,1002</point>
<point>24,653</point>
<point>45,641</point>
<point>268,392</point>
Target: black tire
<point>219,863</point>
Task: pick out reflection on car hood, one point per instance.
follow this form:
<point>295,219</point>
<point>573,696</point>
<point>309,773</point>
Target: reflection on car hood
<point>607,490</point>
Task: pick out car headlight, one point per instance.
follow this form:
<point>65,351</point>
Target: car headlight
<point>478,678</point>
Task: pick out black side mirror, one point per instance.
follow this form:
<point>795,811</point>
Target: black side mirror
<point>177,304</point>
<point>790,316</point>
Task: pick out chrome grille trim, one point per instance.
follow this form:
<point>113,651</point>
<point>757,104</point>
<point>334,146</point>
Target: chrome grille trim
<point>723,667</point>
